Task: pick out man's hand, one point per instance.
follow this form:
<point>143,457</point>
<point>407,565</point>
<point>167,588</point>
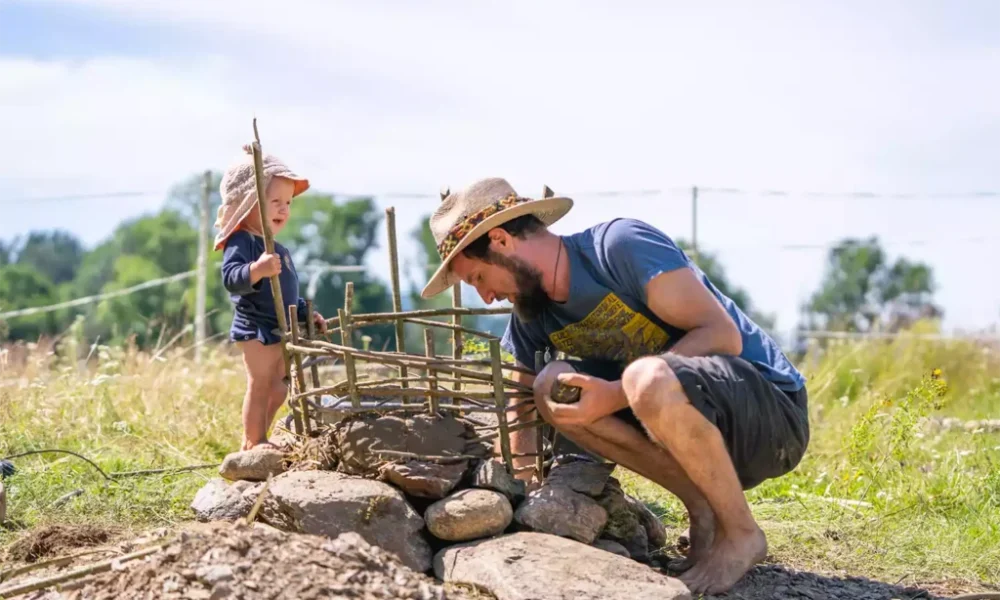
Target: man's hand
<point>598,399</point>
<point>320,321</point>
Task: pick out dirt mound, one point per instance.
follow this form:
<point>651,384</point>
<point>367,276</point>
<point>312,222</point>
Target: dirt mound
<point>780,583</point>
<point>57,540</point>
<point>220,561</point>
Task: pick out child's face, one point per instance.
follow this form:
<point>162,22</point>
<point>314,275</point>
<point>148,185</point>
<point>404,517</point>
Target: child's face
<point>279,198</point>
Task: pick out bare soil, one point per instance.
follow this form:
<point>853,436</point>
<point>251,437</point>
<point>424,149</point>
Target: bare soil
<point>222,561</point>
<point>57,540</point>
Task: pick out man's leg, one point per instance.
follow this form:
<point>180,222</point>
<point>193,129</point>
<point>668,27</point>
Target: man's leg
<point>658,399</point>
<point>623,444</point>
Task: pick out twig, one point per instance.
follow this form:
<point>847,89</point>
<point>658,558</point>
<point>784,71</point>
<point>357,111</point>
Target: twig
<point>250,518</point>
<point>121,474</point>
<point>64,499</point>
<point>77,573</point>
<point>427,457</point>
<point>52,562</point>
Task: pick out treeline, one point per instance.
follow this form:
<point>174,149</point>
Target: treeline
<point>861,290</point>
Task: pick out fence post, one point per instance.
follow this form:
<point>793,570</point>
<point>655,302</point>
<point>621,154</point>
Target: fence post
<point>202,276</point>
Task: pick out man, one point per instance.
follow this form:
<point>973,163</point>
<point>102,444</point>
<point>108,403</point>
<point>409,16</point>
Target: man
<point>677,384</point>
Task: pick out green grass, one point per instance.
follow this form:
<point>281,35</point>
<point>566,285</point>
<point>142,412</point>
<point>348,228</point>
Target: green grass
<point>933,498</point>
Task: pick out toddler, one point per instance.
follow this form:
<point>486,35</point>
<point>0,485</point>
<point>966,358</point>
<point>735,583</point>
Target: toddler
<point>246,267</point>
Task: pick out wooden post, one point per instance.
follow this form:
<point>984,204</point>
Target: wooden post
<point>300,379</point>
<point>352,376</point>
<point>397,299</point>
<point>311,330</point>
<point>501,402</point>
<point>202,283</point>
<point>540,430</point>
<point>432,399</point>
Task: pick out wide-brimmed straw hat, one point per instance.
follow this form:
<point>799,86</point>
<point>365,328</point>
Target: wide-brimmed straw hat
<point>239,190</point>
<point>465,215</point>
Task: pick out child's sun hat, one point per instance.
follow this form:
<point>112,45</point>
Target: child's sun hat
<point>239,190</point>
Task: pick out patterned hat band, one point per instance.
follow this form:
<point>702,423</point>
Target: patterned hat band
<point>466,225</point>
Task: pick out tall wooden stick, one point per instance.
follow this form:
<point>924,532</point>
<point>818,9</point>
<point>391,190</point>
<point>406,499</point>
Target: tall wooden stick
<point>300,415</point>
<point>456,332</point>
<point>397,299</point>
<point>311,331</point>
<point>431,374</point>
<point>501,401</point>
<point>351,372</point>
<point>540,430</point>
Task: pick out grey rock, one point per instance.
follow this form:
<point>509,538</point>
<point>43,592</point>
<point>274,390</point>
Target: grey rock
<point>424,479</point>
<point>529,565</point>
<point>656,533</point>
<point>329,504</point>
<point>252,465</point>
<point>358,439</point>
<point>468,515</point>
<point>213,574</point>
<point>491,475</point>
<point>612,547</point>
<point>623,526</point>
<point>218,500</point>
<point>561,511</point>
<point>581,476</point>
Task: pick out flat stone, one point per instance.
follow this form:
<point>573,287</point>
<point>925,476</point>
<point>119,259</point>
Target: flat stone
<point>531,566</point>
<point>582,476</point>
<point>425,479</point>
<point>359,439</point>
<point>468,515</point>
<point>252,465</point>
<point>492,475</point>
<point>329,504</point>
<point>561,511</point>
<point>219,500</point>
<point>611,546</point>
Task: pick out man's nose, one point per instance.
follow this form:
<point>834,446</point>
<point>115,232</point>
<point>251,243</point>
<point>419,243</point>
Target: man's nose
<point>488,297</point>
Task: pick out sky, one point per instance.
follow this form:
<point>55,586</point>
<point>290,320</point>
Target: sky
<point>892,98</point>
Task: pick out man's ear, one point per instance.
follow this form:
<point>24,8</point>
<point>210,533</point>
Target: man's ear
<point>500,241</point>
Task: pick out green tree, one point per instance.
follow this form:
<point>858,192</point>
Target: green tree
<point>862,290</point>
<point>710,265</point>
<point>56,254</point>
<point>24,287</point>
<point>322,232</point>
<point>185,197</point>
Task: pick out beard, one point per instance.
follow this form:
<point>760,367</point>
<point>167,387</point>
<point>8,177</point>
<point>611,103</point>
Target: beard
<point>530,299</point>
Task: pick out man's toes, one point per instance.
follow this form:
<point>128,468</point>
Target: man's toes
<point>680,565</point>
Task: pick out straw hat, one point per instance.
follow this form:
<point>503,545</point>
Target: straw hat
<point>239,190</point>
<point>465,215</point>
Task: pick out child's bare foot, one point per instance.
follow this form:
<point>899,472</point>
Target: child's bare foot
<point>264,445</point>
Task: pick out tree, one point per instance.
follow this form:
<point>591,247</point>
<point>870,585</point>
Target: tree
<point>322,232</point>
<point>56,254</point>
<point>861,290</point>
<point>185,197</point>
<point>24,287</point>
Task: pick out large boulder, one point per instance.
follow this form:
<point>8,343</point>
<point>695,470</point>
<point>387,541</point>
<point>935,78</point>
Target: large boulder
<point>468,515</point>
<point>328,503</point>
<point>529,566</point>
<point>425,479</point>
<point>252,465</point>
<point>218,500</point>
<point>358,440</point>
<point>561,511</point>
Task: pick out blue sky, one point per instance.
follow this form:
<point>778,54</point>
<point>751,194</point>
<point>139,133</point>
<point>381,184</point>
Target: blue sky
<point>898,97</point>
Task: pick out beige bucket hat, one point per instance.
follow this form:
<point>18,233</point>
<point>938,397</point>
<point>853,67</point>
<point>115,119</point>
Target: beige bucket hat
<point>465,215</point>
<point>239,190</point>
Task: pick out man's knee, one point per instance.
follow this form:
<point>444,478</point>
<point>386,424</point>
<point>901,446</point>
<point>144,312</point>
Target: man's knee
<point>651,386</point>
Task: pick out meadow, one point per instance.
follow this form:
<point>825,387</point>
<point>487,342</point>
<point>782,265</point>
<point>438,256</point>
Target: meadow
<point>884,491</point>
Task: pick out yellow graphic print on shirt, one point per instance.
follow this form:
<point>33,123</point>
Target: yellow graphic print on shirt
<point>612,331</point>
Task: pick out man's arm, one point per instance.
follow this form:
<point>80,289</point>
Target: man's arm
<point>523,441</point>
<point>680,298</point>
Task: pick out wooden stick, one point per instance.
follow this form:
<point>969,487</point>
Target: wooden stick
<point>100,567</point>
<point>313,368</point>
<point>52,562</point>
<point>351,372</point>
<point>427,312</point>
<point>501,405</point>
<point>426,457</point>
<point>404,393</point>
<point>397,300</point>
<point>387,406</point>
<point>300,416</point>
<point>458,329</point>
<point>540,430</point>
<point>430,373</point>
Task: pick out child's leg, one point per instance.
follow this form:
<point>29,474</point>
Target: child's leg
<point>279,391</point>
<point>260,361</point>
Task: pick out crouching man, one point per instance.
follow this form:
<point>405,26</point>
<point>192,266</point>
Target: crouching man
<point>676,383</point>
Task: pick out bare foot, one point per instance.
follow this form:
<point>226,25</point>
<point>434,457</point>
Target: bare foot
<point>700,536</point>
<point>730,557</point>
<point>265,445</point>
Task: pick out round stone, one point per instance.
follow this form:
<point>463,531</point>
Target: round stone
<point>468,515</point>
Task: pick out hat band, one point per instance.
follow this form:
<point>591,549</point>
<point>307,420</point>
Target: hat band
<point>462,229</point>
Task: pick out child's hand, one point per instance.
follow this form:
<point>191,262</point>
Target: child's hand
<point>320,321</point>
<point>268,265</point>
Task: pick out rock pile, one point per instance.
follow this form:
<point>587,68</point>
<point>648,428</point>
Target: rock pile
<point>415,485</point>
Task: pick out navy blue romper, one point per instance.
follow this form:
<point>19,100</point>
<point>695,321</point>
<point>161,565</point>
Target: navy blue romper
<point>254,316</point>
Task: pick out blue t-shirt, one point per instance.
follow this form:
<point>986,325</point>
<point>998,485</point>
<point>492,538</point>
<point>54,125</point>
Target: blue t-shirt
<point>606,316</point>
<point>254,315</point>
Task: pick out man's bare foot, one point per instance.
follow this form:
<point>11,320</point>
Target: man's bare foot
<point>730,557</point>
<point>700,536</point>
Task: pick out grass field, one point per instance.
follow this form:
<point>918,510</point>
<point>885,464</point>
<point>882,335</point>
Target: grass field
<point>880,493</point>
